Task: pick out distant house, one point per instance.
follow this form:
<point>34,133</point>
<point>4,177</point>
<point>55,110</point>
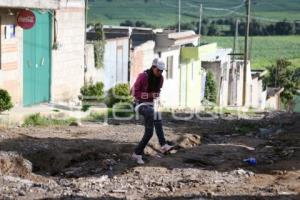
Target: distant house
<point>137,54</point>
<point>142,51</point>
<point>141,59</point>
<point>273,98</point>
<point>44,63</point>
<point>218,61</point>
<point>258,94</point>
<point>116,58</point>
<point>192,77</point>
<point>168,45</point>
<point>236,84</point>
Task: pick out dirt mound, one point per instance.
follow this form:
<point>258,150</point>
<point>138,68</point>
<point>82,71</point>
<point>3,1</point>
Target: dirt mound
<point>189,140</point>
<point>13,164</point>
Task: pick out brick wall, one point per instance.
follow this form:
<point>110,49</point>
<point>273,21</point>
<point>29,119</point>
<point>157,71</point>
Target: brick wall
<point>11,77</point>
<point>68,59</point>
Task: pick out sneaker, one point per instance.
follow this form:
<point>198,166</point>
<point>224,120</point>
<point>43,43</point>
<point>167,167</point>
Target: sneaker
<point>138,158</point>
<point>166,148</point>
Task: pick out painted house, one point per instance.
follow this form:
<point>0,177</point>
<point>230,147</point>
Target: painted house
<point>217,61</point>
<point>46,62</point>
<point>192,78</point>
<point>168,45</point>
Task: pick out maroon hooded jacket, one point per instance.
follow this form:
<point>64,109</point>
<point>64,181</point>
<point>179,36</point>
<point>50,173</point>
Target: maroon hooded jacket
<point>140,89</point>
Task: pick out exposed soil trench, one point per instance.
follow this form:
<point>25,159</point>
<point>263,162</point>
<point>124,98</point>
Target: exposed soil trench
<point>93,161</point>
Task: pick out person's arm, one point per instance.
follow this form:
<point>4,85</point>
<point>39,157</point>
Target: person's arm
<point>137,89</point>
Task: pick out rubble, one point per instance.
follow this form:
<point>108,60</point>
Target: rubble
<point>13,163</point>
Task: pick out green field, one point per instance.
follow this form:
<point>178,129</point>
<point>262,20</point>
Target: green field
<point>264,50</point>
<point>164,12</point>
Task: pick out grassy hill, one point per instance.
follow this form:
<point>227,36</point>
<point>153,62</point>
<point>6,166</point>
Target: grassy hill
<point>265,50</point>
<point>164,12</point>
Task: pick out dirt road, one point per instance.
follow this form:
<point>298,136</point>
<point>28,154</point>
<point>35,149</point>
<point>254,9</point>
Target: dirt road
<point>92,161</point>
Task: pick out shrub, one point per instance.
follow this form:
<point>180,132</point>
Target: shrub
<point>5,101</point>
<point>38,120</point>
<point>210,88</point>
<point>117,94</point>
<point>90,94</point>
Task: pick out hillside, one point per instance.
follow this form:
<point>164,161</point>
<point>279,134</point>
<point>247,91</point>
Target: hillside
<point>264,50</point>
<point>164,12</point>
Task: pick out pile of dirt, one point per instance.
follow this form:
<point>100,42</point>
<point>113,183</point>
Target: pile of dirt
<point>12,163</point>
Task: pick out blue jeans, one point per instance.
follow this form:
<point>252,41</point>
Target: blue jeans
<point>150,121</point>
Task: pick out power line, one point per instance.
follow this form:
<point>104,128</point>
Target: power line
<point>230,11</point>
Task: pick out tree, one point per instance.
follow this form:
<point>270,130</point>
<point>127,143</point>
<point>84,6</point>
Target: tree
<point>127,23</point>
<point>284,28</point>
<point>213,30</point>
<point>284,75</point>
<point>5,101</point>
<point>99,45</point>
<point>210,88</point>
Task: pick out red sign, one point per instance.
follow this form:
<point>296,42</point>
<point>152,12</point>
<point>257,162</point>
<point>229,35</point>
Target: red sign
<point>26,19</point>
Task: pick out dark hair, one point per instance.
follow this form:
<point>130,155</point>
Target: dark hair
<point>153,81</point>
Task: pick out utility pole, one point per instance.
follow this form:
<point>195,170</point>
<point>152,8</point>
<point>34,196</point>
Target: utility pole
<point>200,22</point>
<point>248,3</point>
<point>86,4</point>
<point>179,15</point>
<point>235,38</point>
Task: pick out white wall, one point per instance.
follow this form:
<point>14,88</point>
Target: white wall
<point>170,90</point>
<point>116,62</point>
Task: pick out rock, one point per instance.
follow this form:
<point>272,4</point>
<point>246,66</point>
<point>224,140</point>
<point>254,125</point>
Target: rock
<point>189,141</point>
<point>119,191</point>
<point>108,163</point>
<point>163,189</point>
<point>242,172</point>
<point>172,189</point>
<point>219,181</point>
<point>210,194</point>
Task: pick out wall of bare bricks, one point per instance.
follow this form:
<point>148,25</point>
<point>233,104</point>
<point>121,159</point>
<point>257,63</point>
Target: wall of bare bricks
<point>11,78</point>
<point>68,58</point>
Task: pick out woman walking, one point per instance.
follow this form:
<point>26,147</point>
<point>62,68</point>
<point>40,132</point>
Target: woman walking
<point>145,90</point>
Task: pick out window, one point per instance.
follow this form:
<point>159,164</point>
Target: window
<point>169,67</point>
<point>9,31</point>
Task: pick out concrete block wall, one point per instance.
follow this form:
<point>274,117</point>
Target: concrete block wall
<point>68,59</point>
<point>11,73</point>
